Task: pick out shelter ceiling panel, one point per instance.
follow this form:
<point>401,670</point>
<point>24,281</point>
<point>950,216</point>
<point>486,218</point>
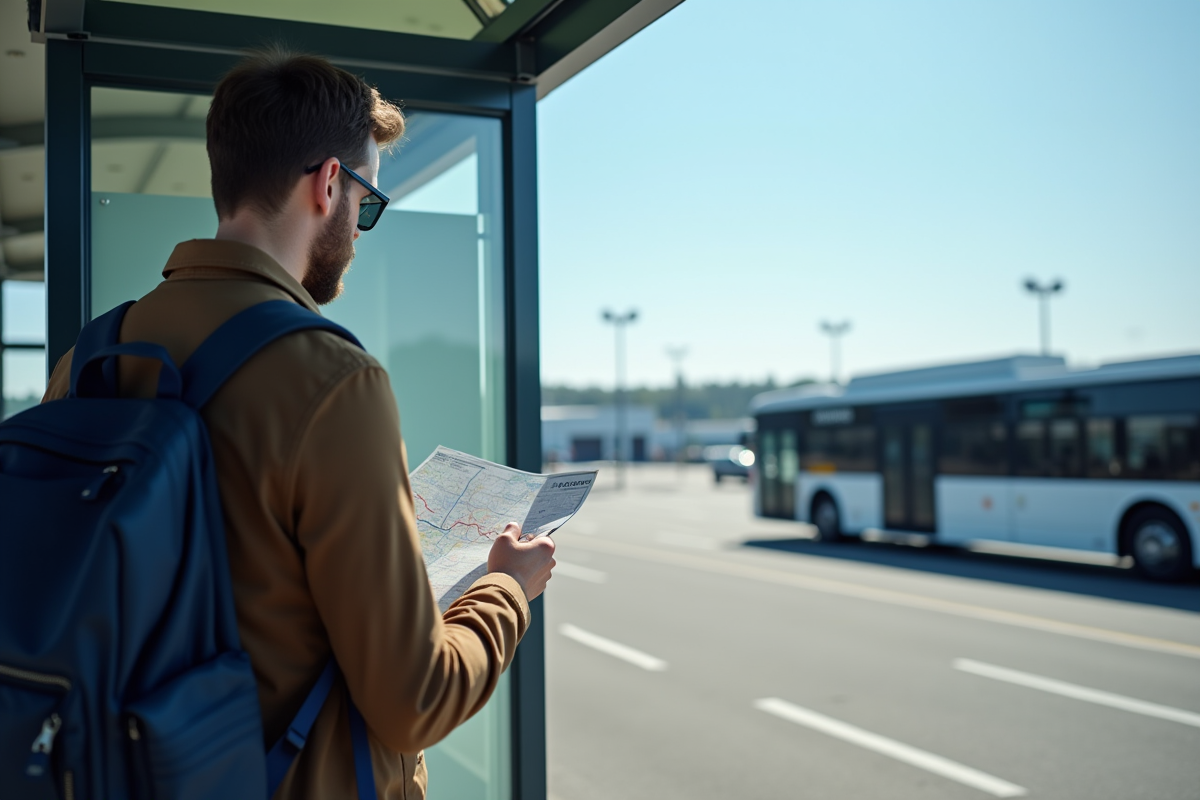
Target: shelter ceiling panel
<point>182,171</point>
<point>123,166</point>
<point>453,19</point>
<point>129,103</point>
<point>22,182</point>
<point>25,248</point>
<point>22,68</point>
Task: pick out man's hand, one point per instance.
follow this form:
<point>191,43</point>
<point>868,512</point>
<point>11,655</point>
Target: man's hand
<point>529,563</point>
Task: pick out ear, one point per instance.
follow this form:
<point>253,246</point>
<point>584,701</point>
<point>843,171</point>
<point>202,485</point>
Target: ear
<point>323,186</point>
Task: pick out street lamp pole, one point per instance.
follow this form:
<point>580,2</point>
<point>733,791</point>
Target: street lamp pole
<point>677,354</point>
<point>835,331</point>
<point>619,321</point>
<point>1044,293</point>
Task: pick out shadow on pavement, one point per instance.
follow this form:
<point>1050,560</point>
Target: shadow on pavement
<point>1113,583</point>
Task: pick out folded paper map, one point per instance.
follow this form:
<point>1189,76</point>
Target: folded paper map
<point>463,502</point>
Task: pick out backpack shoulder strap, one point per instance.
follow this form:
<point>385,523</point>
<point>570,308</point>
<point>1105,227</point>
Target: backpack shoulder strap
<point>284,752</point>
<point>101,333</point>
<point>233,344</point>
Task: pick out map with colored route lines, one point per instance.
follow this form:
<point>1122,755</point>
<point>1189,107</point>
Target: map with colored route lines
<point>463,502</point>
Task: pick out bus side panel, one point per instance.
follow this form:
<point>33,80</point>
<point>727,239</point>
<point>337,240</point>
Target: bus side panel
<point>859,497</point>
<point>1086,514</point>
<point>970,507</point>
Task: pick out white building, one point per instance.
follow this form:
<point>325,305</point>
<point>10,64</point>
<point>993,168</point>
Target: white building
<point>588,433</point>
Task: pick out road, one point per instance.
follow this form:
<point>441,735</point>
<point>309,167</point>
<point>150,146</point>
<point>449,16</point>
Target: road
<point>694,651</point>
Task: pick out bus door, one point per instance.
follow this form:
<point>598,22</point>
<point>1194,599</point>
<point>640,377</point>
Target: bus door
<point>907,460</point>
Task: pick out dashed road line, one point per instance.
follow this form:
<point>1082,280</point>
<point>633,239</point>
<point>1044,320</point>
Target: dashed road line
<point>614,649</point>
<point>890,596</point>
<point>1077,692</point>
<point>891,748</point>
<point>580,573</point>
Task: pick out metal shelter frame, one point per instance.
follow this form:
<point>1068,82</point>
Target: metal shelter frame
<point>140,47</point>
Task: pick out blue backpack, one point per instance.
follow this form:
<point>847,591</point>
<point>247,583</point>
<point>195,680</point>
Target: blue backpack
<point>121,672</point>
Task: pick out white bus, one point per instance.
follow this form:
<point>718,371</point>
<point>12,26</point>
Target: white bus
<point>1019,450</point>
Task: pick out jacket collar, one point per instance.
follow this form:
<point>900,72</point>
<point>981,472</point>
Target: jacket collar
<point>222,254</point>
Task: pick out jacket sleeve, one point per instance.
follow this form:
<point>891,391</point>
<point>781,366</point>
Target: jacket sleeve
<point>60,379</point>
<point>413,673</point>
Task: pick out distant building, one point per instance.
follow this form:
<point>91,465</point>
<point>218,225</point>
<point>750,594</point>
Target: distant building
<point>698,434</point>
<point>588,433</point>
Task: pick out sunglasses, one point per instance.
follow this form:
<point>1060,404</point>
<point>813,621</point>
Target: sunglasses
<point>371,207</point>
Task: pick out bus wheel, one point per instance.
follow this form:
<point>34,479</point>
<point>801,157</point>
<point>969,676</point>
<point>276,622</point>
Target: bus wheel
<point>825,516</point>
<point>1159,545</point>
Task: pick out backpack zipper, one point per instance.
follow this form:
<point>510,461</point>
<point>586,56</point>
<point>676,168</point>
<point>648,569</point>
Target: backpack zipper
<point>43,746</point>
<point>94,488</point>
<point>36,677</point>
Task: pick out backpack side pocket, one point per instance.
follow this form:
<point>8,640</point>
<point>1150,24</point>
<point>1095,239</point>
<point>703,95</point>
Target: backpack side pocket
<point>200,735</point>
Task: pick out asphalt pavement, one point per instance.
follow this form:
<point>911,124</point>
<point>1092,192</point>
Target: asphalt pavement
<point>695,651</point>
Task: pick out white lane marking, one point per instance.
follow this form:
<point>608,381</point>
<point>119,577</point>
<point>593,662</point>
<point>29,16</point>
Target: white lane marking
<point>690,540</point>
<point>614,649</point>
<point>891,748</point>
<point>1077,692</point>
<point>892,597</point>
<point>580,573</point>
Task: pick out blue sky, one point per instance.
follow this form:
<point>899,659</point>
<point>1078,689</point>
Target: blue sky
<point>739,171</point>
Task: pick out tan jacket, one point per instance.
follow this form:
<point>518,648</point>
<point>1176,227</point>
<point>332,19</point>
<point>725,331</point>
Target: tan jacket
<point>321,532</point>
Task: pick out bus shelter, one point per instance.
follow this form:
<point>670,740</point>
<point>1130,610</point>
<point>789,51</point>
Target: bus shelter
<point>103,169</point>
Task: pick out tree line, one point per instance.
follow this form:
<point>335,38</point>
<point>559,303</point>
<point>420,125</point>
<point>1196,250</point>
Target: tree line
<point>701,401</point>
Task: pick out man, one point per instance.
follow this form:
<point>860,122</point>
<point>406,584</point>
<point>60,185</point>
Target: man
<point>312,471</point>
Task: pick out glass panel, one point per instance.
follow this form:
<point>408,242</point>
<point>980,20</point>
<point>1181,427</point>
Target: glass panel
<point>1065,458</point>
<point>789,466</point>
<point>454,19</point>
<point>770,474</point>
<point>1163,447</point>
<point>1031,448</point>
<point>922,476</point>
<point>894,507</point>
<point>841,449</point>
<point>425,296</point>
<point>974,448</point>
<point>24,312</point>
<point>1102,461</point>
<point>24,378</point>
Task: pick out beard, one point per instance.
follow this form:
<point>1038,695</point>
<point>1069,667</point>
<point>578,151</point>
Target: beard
<point>330,255</point>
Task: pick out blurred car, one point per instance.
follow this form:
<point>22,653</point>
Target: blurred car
<point>729,461</point>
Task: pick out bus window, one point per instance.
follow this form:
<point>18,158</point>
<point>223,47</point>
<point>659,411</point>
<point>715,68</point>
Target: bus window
<point>1065,458</point>
<point>974,448</point>
<point>1102,461</point>
<point>844,449</point>
<point>921,478</point>
<point>895,510</point>
<point>770,474</point>
<point>789,466</point>
<point>1163,447</point>
<point>1031,447</point>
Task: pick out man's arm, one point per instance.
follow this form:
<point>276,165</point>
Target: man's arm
<point>415,674</point>
<point>60,379</point>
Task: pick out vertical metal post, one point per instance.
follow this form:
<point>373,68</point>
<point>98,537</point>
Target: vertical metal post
<point>835,331</point>
<point>1044,303</point>
<point>2,400</point>
<point>528,670</point>
<point>677,355</point>
<point>68,183</point>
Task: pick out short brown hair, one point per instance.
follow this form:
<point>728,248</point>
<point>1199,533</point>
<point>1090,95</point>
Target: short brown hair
<point>276,113</point>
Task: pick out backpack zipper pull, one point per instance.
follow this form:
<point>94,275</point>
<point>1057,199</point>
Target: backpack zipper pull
<point>92,492</point>
<point>39,758</point>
